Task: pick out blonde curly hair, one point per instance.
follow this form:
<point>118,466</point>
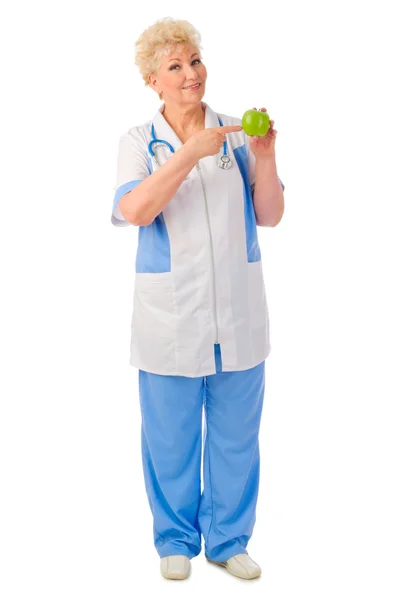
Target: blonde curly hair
<point>159,39</point>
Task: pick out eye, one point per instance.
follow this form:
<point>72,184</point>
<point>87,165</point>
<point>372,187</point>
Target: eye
<point>174,66</point>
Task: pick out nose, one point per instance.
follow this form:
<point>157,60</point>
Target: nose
<point>191,73</point>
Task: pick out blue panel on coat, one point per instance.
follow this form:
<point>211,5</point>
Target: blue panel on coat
<point>253,249</point>
<point>153,253</point>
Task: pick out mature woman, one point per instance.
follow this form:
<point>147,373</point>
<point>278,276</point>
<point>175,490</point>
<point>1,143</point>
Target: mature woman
<point>200,329</point>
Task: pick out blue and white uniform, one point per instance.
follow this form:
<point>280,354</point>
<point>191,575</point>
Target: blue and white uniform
<point>198,279</point>
<point>200,336</point>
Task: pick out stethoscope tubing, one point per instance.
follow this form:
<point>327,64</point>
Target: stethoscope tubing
<point>154,140</point>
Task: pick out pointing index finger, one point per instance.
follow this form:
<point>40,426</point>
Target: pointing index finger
<point>229,128</point>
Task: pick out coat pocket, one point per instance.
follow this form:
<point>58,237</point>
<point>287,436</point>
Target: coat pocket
<point>256,295</point>
<point>153,321</point>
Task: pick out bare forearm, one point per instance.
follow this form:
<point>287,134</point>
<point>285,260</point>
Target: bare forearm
<point>141,205</point>
<point>268,193</point>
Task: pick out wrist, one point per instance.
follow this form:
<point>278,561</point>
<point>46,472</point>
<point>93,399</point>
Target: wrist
<point>190,153</point>
<point>264,159</point>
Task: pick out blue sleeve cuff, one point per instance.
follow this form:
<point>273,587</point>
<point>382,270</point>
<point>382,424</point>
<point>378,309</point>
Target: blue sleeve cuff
<point>116,216</point>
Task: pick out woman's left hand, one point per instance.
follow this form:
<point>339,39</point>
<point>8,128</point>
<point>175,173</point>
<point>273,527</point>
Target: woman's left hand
<point>264,146</point>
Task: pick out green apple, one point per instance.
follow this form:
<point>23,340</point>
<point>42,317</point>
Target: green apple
<point>255,122</point>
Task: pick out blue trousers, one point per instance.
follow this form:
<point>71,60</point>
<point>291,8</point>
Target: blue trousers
<point>171,442</point>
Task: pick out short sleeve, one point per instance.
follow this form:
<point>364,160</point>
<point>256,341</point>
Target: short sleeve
<point>251,165</point>
<point>132,168</point>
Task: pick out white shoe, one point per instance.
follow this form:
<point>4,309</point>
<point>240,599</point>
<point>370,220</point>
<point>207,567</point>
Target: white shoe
<point>175,566</point>
<point>240,565</point>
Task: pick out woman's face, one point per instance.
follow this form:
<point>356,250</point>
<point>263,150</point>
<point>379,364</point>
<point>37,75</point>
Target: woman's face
<point>179,69</point>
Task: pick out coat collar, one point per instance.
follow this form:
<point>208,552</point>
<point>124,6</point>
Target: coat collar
<point>163,131</point>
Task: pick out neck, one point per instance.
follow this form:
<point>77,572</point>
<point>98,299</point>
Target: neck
<point>184,118</point>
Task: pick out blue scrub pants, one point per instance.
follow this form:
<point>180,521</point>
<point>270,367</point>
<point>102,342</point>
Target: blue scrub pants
<point>171,443</point>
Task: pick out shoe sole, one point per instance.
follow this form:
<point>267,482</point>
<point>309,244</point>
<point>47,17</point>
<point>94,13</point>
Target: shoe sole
<point>226,566</point>
<point>174,576</point>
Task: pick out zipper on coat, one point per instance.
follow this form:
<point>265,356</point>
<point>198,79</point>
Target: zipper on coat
<point>211,253</point>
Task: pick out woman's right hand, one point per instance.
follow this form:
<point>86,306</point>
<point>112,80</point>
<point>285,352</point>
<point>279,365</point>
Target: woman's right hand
<point>207,142</point>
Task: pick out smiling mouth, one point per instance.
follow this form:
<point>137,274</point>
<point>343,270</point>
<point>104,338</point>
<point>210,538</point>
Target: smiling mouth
<point>193,87</point>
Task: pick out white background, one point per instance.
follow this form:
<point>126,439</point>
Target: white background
<point>75,522</point>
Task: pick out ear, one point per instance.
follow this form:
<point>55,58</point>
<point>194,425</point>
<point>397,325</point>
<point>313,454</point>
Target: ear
<point>153,82</point>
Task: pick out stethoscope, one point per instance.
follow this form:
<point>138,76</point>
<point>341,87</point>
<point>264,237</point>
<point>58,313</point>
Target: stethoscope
<point>224,161</point>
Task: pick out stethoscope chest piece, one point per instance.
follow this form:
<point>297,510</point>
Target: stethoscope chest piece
<point>224,162</point>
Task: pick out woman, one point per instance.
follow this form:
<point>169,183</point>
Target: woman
<point>200,329</point>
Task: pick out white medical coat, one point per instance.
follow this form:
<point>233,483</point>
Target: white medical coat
<point>198,276</point>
